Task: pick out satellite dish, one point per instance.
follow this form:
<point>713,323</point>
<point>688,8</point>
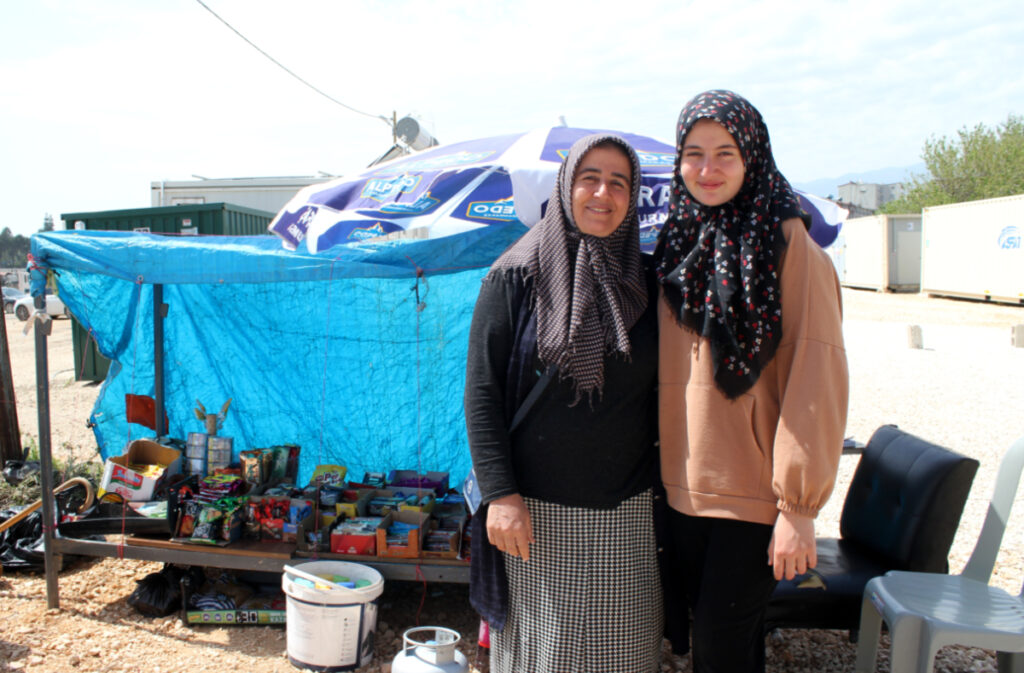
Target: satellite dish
<point>412,134</point>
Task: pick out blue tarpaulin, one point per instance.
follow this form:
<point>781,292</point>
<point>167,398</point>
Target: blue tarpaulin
<point>357,353</point>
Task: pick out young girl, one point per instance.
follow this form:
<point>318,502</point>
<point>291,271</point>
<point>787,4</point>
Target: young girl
<point>752,379</point>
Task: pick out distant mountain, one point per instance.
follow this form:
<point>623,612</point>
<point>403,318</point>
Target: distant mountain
<point>830,186</point>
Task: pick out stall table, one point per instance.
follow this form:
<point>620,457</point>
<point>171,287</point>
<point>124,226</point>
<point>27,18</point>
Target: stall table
<point>242,555</point>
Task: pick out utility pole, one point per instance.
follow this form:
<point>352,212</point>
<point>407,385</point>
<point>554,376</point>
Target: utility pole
<point>10,435</point>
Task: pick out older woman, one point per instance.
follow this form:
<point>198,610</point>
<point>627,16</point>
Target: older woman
<point>563,347</point>
<point>752,383</point>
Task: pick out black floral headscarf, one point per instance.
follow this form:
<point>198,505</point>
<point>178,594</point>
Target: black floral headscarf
<point>719,265</point>
<point>590,291</point>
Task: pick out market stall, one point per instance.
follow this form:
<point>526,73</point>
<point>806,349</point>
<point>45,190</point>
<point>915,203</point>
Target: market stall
<point>355,354</point>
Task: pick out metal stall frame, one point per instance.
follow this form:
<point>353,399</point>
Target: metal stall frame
<point>428,569</point>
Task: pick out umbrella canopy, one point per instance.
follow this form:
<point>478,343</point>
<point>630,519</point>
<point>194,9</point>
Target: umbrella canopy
<point>826,217</point>
<point>494,181</point>
<point>461,186</point>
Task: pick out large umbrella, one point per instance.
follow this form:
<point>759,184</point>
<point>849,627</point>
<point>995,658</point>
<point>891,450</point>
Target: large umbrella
<point>453,188</point>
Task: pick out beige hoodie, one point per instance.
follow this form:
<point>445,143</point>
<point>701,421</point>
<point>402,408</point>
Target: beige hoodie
<point>777,446</point>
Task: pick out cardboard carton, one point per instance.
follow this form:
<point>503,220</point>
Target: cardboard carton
<point>420,522</point>
<point>354,502</point>
<point>312,537</point>
<point>120,478</point>
<point>445,539</point>
<point>410,479</point>
<point>343,542</point>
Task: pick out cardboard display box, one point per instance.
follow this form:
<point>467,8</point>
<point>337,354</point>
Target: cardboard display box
<point>353,502</point>
<point>254,613</point>
<point>313,538</point>
<point>424,504</point>
<point>421,523</point>
<point>407,480</point>
<point>121,479</point>
<point>355,543</point>
<point>451,533</point>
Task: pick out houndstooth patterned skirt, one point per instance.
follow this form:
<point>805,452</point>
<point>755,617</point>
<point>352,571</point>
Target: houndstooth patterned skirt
<point>589,599</point>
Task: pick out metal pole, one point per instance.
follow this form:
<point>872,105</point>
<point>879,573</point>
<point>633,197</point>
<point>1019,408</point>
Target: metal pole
<point>10,435</point>
<point>159,313</point>
<point>51,559</point>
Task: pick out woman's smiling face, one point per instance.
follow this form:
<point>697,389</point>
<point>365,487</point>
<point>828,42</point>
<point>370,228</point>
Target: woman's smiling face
<point>601,191</point>
<point>712,167</point>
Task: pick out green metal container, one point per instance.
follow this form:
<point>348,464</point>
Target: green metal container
<point>218,219</point>
<point>90,365</point>
<point>203,219</point>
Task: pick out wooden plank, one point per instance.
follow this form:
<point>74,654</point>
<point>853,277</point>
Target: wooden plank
<point>282,550</point>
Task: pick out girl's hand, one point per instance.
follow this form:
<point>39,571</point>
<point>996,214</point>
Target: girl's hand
<point>508,526</point>
<point>792,549</point>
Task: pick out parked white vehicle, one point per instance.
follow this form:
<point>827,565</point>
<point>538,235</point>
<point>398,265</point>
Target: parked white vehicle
<point>11,295</point>
<point>24,307</point>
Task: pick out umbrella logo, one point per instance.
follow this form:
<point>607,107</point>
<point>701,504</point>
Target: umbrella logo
<point>421,205</point>
<point>382,189</point>
<point>501,210</point>
<point>1009,238</point>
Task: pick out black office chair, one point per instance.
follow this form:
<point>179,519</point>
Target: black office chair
<point>901,513</point>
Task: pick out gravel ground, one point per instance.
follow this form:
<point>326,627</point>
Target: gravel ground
<point>962,390</point>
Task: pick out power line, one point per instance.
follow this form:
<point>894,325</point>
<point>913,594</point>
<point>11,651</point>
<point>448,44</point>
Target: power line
<point>386,120</point>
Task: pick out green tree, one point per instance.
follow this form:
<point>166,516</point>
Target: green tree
<point>978,163</point>
<point>13,249</point>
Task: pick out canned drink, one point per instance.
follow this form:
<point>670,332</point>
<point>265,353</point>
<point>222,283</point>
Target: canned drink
<point>195,445</point>
<point>196,466</point>
<point>218,452</point>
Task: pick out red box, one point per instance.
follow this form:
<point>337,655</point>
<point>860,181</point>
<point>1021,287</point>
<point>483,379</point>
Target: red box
<point>361,544</point>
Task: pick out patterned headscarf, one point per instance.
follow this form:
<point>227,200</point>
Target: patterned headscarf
<point>590,291</point>
<point>719,265</point>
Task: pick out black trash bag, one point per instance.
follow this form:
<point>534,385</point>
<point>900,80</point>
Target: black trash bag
<point>159,594</point>
<point>21,545</point>
<point>17,471</point>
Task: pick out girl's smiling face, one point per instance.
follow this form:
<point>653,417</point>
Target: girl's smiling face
<point>711,167</point>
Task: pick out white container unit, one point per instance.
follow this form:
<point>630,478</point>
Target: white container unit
<point>879,252</point>
<point>973,250</point>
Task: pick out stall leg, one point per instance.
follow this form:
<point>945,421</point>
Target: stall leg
<point>52,560</point>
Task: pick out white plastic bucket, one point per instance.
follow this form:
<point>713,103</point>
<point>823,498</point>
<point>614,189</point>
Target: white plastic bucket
<point>331,629</point>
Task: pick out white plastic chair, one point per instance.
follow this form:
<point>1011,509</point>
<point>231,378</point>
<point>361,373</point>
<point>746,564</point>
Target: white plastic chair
<point>926,611</point>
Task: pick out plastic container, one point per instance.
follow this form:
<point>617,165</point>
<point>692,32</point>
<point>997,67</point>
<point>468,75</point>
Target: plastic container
<point>331,628</point>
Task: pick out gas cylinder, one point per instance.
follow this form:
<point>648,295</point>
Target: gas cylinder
<point>430,649</point>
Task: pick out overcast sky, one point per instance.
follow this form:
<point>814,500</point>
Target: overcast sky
<point>101,98</point>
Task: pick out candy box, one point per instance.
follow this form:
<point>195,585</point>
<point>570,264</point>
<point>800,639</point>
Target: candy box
<point>137,473</point>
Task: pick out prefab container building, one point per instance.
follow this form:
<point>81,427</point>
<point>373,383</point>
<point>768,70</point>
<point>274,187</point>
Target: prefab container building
<point>973,250</point>
<point>194,219</point>
<point>261,193</point>
<point>880,252</point>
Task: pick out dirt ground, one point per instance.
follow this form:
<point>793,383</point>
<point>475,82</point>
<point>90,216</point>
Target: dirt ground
<point>95,629</point>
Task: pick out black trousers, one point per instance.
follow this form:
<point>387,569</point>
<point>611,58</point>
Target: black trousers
<point>726,582</point>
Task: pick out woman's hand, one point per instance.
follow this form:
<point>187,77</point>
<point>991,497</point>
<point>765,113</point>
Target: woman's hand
<point>508,525</point>
<point>792,549</point>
